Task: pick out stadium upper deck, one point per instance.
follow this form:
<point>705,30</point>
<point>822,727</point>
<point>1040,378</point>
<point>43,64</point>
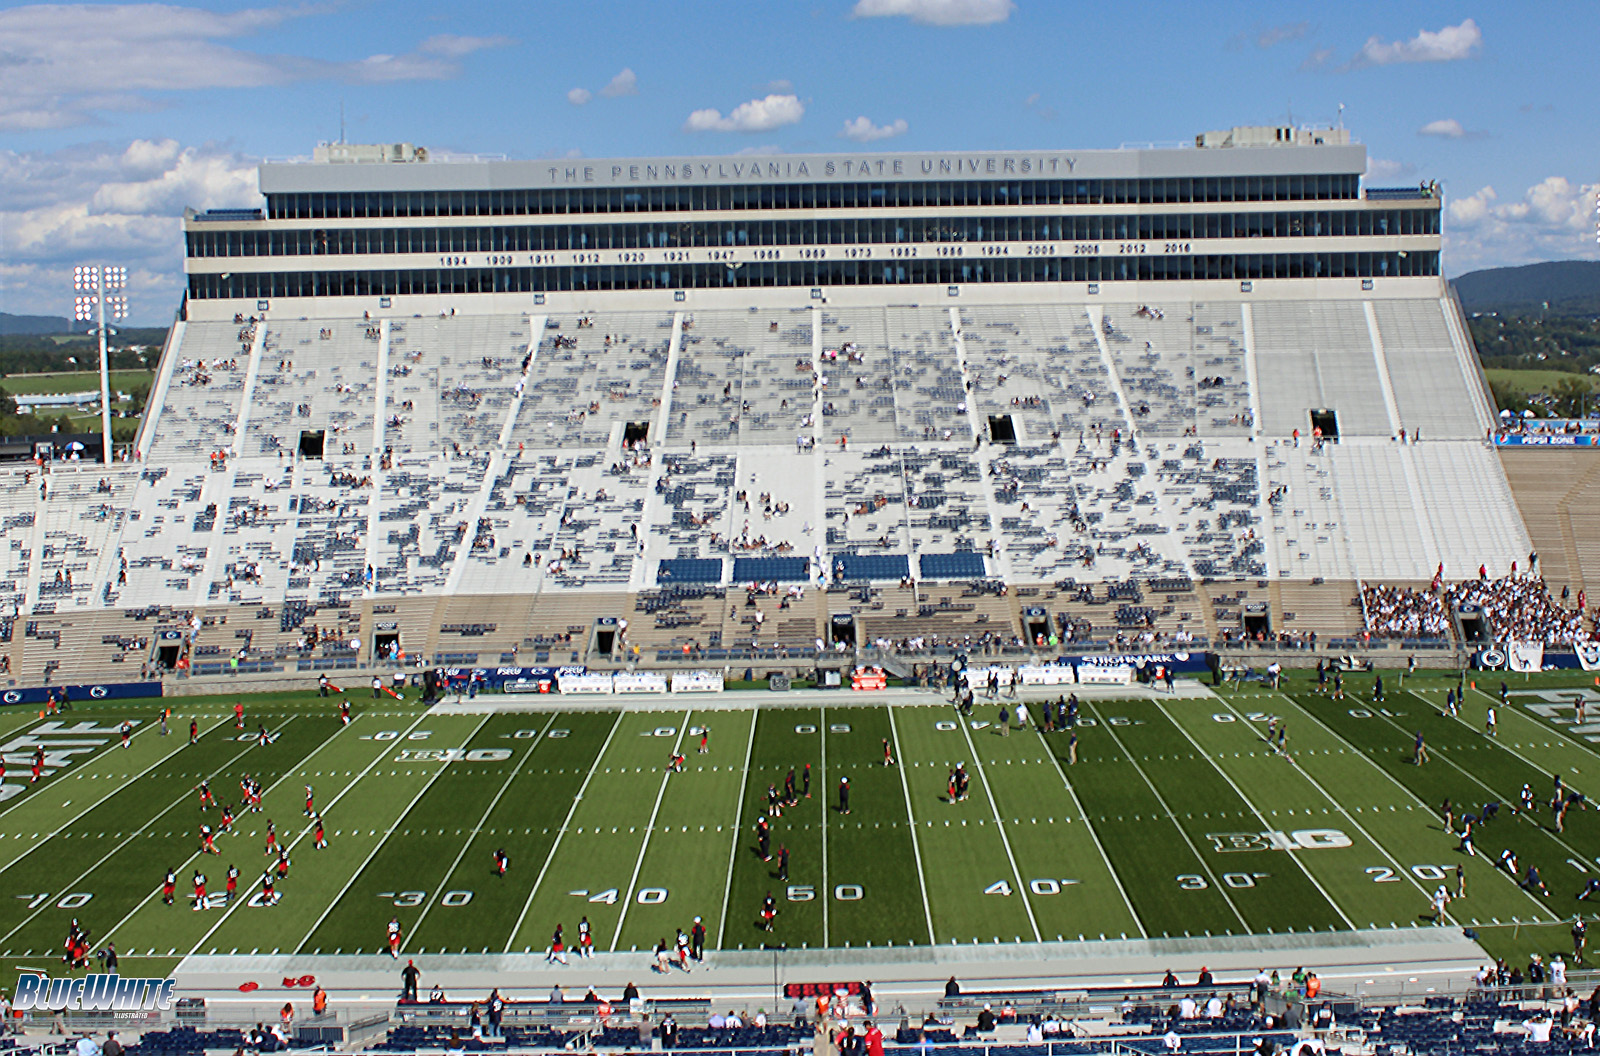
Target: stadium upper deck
<point>378,229</point>
<point>476,408</point>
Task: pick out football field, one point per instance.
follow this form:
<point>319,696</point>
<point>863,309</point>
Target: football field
<point>1177,819</point>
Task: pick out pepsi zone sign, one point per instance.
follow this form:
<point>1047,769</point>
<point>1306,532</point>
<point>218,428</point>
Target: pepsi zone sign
<point>94,691</point>
<point>1546,440</point>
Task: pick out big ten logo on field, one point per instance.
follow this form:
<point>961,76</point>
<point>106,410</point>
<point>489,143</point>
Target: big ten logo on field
<point>1298,840</point>
<point>61,743</point>
<point>1560,706</point>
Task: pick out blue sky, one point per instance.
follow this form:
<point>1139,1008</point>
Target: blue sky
<point>114,117</point>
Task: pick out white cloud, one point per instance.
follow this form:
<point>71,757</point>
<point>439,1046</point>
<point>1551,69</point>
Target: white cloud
<point>1447,128</point>
<point>938,12</point>
<point>121,204</point>
<point>1273,35</point>
<point>1270,36</point>
<point>862,130</point>
<point>1317,59</point>
<point>757,115</point>
<point>624,83</point>
<point>1553,220</point>
<point>1474,207</point>
<point>778,87</point>
<point>1446,45</point>
<point>63,65</point>
<point>1384,169</point>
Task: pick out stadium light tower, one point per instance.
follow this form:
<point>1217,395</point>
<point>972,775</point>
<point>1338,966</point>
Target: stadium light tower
<point>95,284</point>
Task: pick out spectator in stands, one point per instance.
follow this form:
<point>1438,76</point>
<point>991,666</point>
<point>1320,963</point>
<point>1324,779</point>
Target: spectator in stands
<point>1515,607</point>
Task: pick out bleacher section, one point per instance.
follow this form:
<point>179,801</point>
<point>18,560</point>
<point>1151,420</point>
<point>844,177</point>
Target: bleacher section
<point>1431,383</point>
<point>587,382</point>
<point>1317,355</point>
<point>663,460</point>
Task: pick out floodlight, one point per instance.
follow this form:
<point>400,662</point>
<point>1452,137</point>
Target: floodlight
<point>92,304</point>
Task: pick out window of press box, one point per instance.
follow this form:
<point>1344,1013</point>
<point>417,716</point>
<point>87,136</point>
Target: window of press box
<point>316,205</point>
<point>836,231</point>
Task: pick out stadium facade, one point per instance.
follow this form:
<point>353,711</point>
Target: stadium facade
<point>498,412</point>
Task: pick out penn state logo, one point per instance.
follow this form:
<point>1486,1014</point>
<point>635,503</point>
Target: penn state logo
<point>99,692</point>
<point>12,696</point>
<point>1180,657</point>
<point>1492,658</point>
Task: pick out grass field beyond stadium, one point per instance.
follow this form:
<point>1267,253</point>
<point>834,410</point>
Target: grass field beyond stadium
<point>1177,819</point>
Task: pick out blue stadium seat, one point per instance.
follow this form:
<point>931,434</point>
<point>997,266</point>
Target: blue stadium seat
<point>871,566</point>
<point>770,570</point>
<point>963,564</point>
<point>689,570</point>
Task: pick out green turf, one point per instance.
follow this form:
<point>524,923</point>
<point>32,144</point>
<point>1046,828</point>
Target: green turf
<point>1534,380</point>
<point>75,381</point>
<point>1173,820</point>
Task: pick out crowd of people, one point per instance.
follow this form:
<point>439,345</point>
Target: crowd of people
<point>1403,612</point>
<point>1517,607</point>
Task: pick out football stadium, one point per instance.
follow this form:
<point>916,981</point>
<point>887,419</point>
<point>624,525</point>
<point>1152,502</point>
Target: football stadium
<point>1081,600</point>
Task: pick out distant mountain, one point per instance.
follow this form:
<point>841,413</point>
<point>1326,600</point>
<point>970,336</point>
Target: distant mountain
<point>1572,287</point>
<point>34,324</point>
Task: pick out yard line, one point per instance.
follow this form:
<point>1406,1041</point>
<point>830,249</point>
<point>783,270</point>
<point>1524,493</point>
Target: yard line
<point>655,812</point>
<point>245,898</point>
<point>1511,709</point>
<point>389,832</point>
<point>738,828</point>
<point>562,832</point>
<point>822,765</point>
<point>1480,782</point>
<point>1257,812</point>
<point>77,817</point>
<point>1312,716</point>
<point>133,836</point>
<point>977,764</point>
<point>916,853</point>
<point>1398,868</point>
<point>114,744</point>
<point>1084,817</point>
<point>481,822</point>
<point>268,791</point>
<point>1498,743</point>
<point>1220,888</point>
